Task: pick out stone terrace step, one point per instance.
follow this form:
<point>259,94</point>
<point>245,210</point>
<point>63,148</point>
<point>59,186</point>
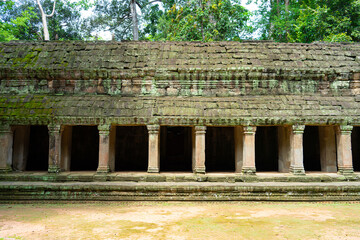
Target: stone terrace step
<point>176,177</point>
<point>172,191</point>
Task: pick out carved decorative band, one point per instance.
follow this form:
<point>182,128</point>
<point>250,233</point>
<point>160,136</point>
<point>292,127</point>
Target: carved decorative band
<point>250,130</point>
<point>345,129</point>
<point>53,128</point>
<point>298,129</point>
<point>104,129</point>
<point>200,130</point>
<point>5,129</point>
<point>153,129</point>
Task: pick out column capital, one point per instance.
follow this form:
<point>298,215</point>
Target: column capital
<point>104,129</point>
<point>298,129</point>
<point>153,129</point>
<point>200,129</point>
<point>345,129</point>
<point>249,130</point>
<point>5,129</point>
<point>55,128</point>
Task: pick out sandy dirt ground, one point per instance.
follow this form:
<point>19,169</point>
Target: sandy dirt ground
<point>180,220</point>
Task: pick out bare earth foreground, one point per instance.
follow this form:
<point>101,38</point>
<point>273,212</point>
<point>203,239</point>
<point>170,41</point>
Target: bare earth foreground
<point>180,220</point>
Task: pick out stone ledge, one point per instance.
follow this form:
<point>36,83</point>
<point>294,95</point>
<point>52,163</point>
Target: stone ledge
<point>176,177</point>
<point>126,191</point>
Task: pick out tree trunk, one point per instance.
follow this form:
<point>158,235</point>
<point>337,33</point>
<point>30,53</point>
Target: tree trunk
<point>135,26</point>
<point>45,27</point>
<point>202,24</point>
<point>287,2</point>
<point>44,20</point>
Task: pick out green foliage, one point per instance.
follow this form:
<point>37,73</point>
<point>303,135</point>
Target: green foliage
<point>13,27</point>
<point>111,15</point>
<point>310,20</point>
<point>21,20</point>
<point>206,20</point>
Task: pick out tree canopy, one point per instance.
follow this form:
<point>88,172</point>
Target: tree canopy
<point>184,20</point>
<point>309,20</point>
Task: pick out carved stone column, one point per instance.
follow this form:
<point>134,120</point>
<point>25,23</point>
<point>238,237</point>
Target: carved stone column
<point>199,154</point>
<point>249,150</point>
<point>239,145</point>
<point>104,149</point>
<point>54,148</point>
<point>296,150</point>
<point>154,147</point>
<point>6,142</point>
<point>344,154</point>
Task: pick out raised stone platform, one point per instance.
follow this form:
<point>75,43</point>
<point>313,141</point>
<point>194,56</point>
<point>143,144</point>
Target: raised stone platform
<point>176,191</point>
<point>89,186</point>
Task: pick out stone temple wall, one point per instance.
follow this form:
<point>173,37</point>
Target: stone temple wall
<point>199,85</point>
<point>216,83</point>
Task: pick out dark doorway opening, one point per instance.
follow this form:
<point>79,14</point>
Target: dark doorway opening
<point>311,149</point>
<point>175,149</point>
<point>266,149</point>
<point>220,149</point>
<point>85,148</point>
<point>355,146</point>
<point>38,157</point>
<point>131,146</point>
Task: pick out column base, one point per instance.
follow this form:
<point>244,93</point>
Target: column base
<point>5,170</point>
<point>153,170</point>
<point>248,170</point>
<point>297,170</point>
<point>199,170</point>
<point>346,171</point>
<point>54,169</point>
<point>103,170</point>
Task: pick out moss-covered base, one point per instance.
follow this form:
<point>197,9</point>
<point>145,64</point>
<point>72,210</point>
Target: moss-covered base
<point>100,191</point>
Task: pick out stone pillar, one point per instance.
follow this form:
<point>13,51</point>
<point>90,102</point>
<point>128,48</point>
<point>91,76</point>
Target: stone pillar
<point>6,147</point>
<point>104,149</point>
<point>239,145</point>
<point>249,150</point>
<point>284,133</point>
<point>112,148</point>
<point>344,154</point>
<point>21,147</point>
<point>54,148</point>
<point>154,145</point>
<point>66,143</point>
<point>296,150</point>
<point>199,156</point>
<point>327,148</point>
